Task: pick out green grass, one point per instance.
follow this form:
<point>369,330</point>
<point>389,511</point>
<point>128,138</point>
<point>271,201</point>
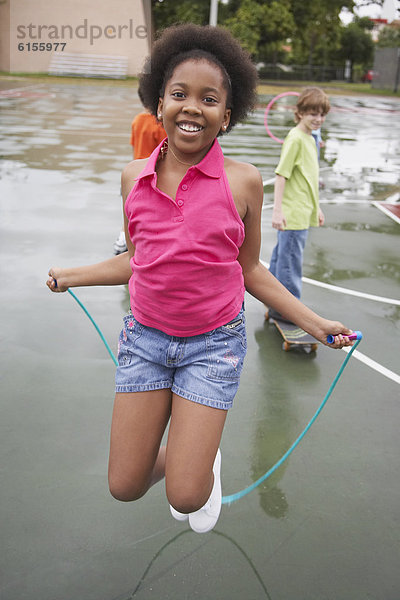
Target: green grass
<point>43,77</point>
<point>265,87</point>
<point>331,87</point>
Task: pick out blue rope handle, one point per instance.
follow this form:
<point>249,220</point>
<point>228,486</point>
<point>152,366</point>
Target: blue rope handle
<point>253,486</point>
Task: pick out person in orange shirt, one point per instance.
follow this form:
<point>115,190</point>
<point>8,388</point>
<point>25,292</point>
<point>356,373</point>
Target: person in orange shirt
<point>146,133</point>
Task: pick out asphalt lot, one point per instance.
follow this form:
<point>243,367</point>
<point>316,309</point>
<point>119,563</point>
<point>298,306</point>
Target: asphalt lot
<point>325,525</point>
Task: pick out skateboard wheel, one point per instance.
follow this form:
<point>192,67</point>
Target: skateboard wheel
<point>286,346</point>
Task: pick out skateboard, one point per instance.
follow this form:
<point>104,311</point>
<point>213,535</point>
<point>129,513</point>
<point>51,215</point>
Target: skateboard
<point>293,336</point>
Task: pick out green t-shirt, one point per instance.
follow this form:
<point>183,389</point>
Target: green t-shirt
<point>298,164</point>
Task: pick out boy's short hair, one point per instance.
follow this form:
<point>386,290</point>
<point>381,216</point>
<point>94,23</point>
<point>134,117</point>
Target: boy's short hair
<point>195,42</point>
<point>311,99</point>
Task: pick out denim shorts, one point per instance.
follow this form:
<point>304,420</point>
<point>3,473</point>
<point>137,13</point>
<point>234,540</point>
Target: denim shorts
<point>203,368</point>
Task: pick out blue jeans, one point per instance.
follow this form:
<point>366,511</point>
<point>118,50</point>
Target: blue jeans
<point>287,259</point>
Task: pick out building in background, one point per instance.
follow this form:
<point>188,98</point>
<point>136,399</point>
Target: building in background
<point>35,34</point>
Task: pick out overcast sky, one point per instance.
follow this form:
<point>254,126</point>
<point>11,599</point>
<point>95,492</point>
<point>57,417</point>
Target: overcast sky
<point>374,11</point>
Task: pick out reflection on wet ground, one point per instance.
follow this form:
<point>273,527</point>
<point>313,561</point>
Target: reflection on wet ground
<point>325,525</point>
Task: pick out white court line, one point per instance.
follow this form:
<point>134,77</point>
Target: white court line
<point>358,355</point>
<point>98,118</point>
<point>78,132</point>
<point>268,181</point>
<point>7,92</point>
<point>342,290</point>
<point>339,201</point>
<point>386,211</point>
<point>374,365</point>
<point>84,131</point>
<point>349,292</point>
<point>342,201</point>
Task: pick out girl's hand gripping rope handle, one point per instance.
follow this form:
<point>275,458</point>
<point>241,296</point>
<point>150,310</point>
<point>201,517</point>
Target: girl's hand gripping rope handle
<point>52,283</point>
<point>356,335</point>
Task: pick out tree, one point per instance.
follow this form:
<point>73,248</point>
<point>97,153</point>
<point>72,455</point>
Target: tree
<point>318,28</point>
<point>389,37</point>
<point>313,27</point>
<point>356,43</point>
<point>362,3</point>
<point>261,26</point>
<point>171,12</point>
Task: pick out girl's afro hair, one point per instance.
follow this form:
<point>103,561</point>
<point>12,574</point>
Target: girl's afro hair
<point>179,43</point>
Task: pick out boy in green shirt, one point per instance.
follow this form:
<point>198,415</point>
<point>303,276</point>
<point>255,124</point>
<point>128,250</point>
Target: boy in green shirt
<point>296,204</point>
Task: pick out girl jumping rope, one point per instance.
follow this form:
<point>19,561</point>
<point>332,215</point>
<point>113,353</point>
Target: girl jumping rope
<point>192,223</point>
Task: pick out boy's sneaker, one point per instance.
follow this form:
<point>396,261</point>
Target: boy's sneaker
<point>205,518</point>
<point>120,244</point>
<point>178,515</point>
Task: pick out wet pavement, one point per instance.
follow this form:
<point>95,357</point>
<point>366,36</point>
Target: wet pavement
<point>325,526</point>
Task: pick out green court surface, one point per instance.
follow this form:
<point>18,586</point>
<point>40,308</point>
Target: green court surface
<point>325,526</point>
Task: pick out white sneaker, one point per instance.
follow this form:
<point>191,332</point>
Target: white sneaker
<point>205,519</point>
<point>178,515</point>
<point>120,244</point>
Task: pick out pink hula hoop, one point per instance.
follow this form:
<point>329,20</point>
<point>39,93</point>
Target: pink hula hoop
<point>270,104</point>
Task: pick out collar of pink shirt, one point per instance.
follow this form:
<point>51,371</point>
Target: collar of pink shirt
<point>212,164</point>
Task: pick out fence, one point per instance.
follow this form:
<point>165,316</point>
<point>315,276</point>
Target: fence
<point>386,69</point>
<point>301,72</point>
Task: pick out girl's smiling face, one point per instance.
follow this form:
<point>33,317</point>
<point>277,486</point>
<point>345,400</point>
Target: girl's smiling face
<point>194,108</point>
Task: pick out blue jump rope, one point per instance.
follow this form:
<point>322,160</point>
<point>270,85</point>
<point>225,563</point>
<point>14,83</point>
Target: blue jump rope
<point>357,335</point>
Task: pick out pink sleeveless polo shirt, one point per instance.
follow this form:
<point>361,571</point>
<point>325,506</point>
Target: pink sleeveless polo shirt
<point>186,279</point>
